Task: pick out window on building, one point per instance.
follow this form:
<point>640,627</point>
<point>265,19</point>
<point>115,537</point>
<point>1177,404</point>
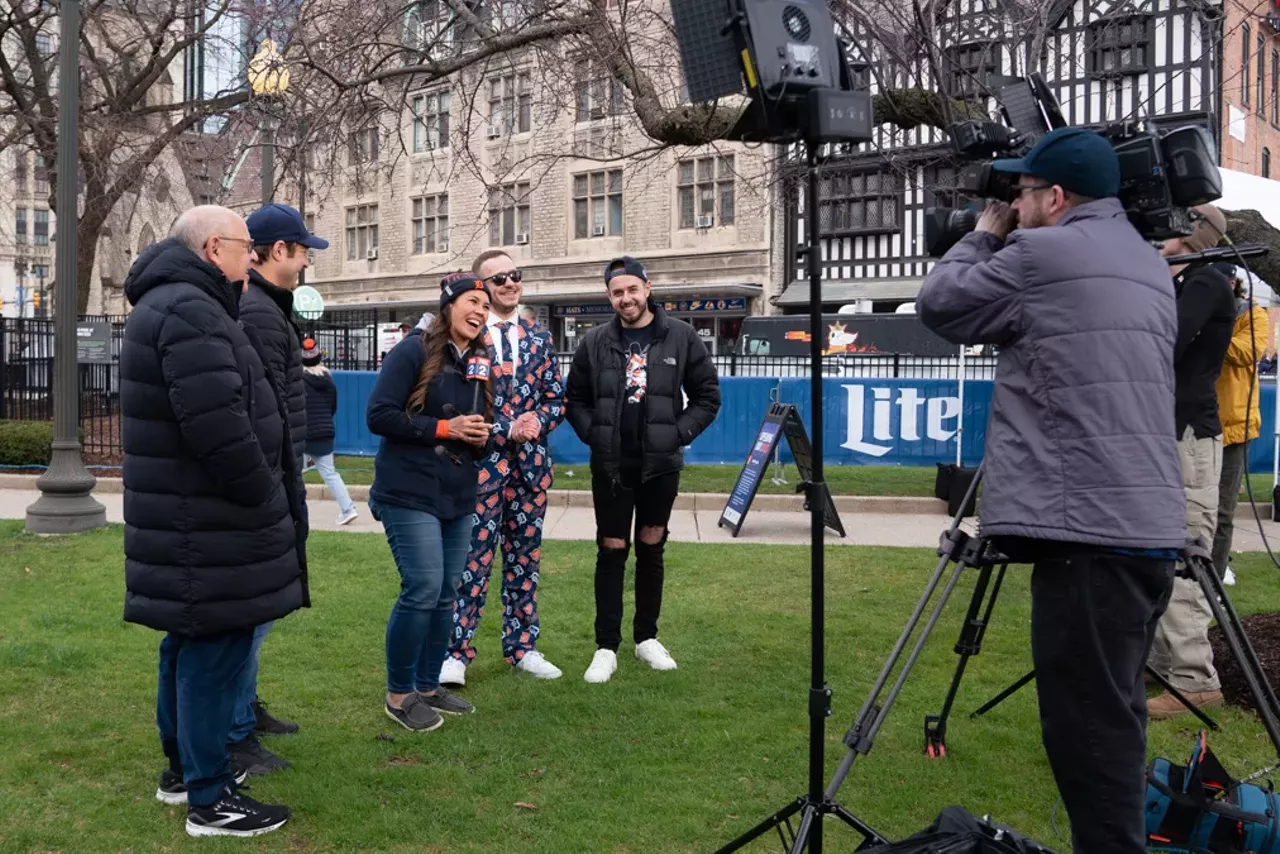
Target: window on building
<point>1246,43</point>
<point>41,232</point>
<point>431,224</point>
<point>597,204</point>
<point>364,146</point>
<point>1275,87</point>
<point>431,121</point>
<point>362,231</point>
<point>599,94</point>
<point>20,227</point>
<point>942,184</point>
<point>705,191</point>
<point>1262,76</point>
<point>509,214</point>
<point>1266,163</point>
<point>44,44</point>
<point>204,199</point>
<point>309,220</point>
<point>510,105</point>
<point>968,67</point>
<point>1119,46</point>
<point>505,14</point>
<point>20,172</point>
<point>431,27</point>
<point>859,202</point>
<point>42,177</point>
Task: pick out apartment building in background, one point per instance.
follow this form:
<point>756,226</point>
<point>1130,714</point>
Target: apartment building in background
<point>1250,108</point>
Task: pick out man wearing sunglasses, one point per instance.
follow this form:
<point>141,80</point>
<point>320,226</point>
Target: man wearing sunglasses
<point>1081,474</point>
<point>528,403</point>
<point>280,243</point>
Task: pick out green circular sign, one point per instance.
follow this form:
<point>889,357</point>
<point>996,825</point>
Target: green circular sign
<point>308,303</point>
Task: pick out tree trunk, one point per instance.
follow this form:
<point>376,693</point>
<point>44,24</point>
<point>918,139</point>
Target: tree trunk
<point>87,236</point>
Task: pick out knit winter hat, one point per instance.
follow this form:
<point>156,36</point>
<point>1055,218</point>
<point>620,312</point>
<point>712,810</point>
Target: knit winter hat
<point>311,353</point>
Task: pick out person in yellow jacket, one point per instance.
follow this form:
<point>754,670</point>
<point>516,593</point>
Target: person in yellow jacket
<point>1237,395</point>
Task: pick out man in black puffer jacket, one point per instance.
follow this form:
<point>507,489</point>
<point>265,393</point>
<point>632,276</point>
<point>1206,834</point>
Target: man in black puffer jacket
<point>280,242</point>
<point>212,546</point>
<point>624,400</point>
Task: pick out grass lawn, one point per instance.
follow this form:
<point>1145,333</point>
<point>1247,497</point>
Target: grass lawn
<point>842,480</point>
<point>896,481</point>
<point>670,762</point>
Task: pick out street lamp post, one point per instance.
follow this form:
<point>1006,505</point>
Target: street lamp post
<point>269,80</point>
<point>66,504</point>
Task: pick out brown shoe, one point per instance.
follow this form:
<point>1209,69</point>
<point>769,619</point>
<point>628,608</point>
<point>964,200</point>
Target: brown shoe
<point>1168,706</point>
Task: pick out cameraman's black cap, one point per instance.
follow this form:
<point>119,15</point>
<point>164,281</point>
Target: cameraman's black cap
<point>1076,159</point>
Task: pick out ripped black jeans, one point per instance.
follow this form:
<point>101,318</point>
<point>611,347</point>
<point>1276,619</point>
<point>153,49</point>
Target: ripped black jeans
<point>616,503</point>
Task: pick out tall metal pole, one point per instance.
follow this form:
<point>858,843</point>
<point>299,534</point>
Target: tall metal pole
<point>268,158</point>
<point>66,505</point>
<point>818,698</point>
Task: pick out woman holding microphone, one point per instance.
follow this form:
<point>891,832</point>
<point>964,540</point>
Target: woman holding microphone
<point>424,490</point>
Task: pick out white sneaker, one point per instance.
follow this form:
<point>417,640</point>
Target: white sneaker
<point>602,666</point>
<point>348,517</point>
<point>1230,578</point>
<point>655,655</point>
<point>453,672</point>
<point>535,664</point>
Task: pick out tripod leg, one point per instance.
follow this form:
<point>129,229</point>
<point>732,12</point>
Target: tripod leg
<point>805,830</point>
<point>969,645</point>
<point>1003,695</point>
<point>1241,647</point>
<point>870,837</point>
<point>781,817</point>
<point>1181,698</point>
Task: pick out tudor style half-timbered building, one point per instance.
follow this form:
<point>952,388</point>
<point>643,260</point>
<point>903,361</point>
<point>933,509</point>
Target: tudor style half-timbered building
<point>1105,61</point>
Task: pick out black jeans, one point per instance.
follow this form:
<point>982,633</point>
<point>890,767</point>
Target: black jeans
<point>615,504</point>
<point>1093,618</point>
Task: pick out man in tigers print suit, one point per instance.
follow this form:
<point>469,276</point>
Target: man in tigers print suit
<point>528,403</point>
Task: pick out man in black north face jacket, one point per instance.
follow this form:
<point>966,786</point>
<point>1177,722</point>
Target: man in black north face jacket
<point>625,399</point>
<point>281,241</point>
<point>211,547</point>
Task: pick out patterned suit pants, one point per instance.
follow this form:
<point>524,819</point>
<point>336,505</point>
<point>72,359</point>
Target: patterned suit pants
<point>511,515</point>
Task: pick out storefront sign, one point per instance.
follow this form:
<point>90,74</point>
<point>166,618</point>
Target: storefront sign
<point>686,306</point>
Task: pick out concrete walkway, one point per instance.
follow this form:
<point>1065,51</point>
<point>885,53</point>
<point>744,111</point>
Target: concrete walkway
<point>698,525</point>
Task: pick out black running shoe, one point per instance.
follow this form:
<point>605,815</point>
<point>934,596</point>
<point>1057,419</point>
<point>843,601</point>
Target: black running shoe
<point>235,814</point>
<point>173,791</point>
<point>254,758</point>
<point>267,724</point>
<point>447,702</point>
<point>414,714</point>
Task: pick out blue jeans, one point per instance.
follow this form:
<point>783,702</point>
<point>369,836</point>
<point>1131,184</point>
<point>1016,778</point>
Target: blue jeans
<point>196,701</point>
<point>245,719</point>
<point>333,482</point>
<point>430,555</point>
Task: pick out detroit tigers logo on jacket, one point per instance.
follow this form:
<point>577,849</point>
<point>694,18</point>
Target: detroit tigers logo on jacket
<point>535,386</point>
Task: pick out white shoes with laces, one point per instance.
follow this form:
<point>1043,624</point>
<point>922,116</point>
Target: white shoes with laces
<point>535,664</point>
<point>453,672</point>
<point>602,666</point>
<point>655,655</point>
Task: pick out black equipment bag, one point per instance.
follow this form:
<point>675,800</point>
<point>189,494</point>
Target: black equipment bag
<point>950,486</point>
<point>955,831</point>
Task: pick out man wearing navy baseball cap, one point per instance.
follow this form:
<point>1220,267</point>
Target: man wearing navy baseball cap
<point>280,244</point>
<point>1081,471</point>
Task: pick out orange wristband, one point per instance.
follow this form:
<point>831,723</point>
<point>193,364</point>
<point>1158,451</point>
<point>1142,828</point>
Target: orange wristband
<point>442,429</point>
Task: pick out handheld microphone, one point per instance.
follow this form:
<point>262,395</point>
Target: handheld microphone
<point>450,411</point>
<point>478,367</point>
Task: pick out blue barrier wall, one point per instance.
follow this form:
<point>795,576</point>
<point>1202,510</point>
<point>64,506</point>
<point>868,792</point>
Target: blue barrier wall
<point>867,421</point>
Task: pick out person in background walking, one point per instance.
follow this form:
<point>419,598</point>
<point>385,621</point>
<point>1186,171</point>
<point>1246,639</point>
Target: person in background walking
<point>424,491</point>
<point>1237,389</point>
<point>322,403</point>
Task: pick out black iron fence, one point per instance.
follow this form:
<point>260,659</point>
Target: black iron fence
<point>26,382</point>
<point>27,347</point>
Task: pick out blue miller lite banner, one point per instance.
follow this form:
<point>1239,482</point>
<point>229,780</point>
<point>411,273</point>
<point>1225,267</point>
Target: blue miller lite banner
<point>866,422</point>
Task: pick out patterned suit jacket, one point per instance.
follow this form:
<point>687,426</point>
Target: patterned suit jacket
<point>537,388</point>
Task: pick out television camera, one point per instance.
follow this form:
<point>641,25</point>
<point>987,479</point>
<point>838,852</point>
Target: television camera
<point>1163,173</point>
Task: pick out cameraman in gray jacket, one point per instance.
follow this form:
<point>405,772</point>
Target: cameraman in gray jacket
<point>1081,473</point>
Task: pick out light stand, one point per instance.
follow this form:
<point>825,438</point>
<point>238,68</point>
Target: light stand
<point>814,805</point>
<point>66,504</point>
